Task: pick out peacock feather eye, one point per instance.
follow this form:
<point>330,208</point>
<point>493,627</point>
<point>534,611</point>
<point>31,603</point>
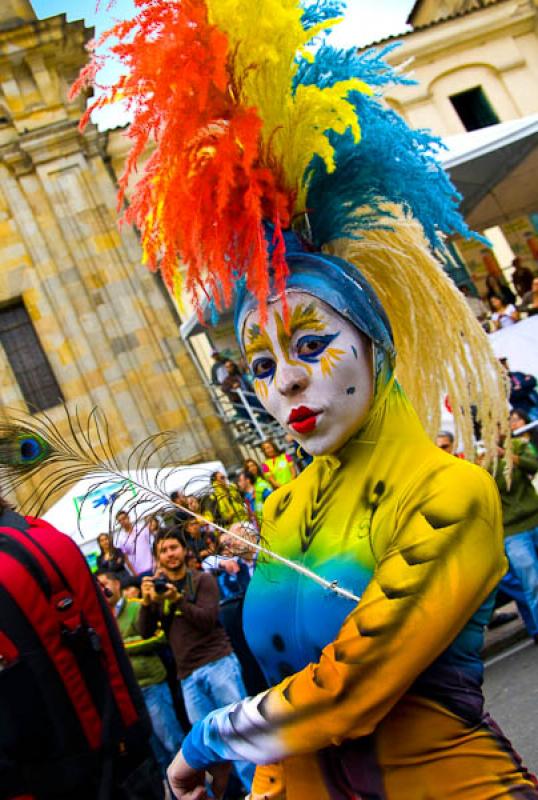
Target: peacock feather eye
<point>32,449</point>
<point>23,448</point>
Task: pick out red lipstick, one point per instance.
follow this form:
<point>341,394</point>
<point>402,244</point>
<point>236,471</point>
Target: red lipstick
<point>303,419</point>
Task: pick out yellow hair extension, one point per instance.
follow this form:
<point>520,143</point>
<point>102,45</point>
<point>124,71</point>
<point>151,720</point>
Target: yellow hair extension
<point>441,347</point>
<point>265,38</point>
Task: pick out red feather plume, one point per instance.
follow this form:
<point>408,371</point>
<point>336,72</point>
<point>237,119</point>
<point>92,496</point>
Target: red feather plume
<point>204,194</point>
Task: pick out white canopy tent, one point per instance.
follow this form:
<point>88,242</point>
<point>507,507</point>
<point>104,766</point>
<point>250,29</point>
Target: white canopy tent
<point>496,171</point>
<point>519,344</point>
<point>90,506</point>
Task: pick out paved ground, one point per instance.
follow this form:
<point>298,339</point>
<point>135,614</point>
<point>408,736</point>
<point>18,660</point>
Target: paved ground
<point>503,637</point>
<point>511,690</point>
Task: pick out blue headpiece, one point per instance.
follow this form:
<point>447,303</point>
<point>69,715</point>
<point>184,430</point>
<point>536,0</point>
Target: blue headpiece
<point>334,281</point>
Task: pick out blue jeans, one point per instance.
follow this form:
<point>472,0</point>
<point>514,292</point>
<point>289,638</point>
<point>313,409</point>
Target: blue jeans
<point>167,734</point>
<point>522,552</point>
<point>210,687</point>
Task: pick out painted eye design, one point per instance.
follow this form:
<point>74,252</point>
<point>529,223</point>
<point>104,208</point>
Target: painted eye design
<point>263,368</point>
<point>311,347</point>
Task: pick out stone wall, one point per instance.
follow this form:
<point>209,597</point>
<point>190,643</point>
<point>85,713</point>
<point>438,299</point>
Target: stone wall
<point>106,324</point>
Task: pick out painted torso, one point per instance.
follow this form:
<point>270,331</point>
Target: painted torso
<point>288,618</point>
<point>337,518</point>
<point>377,698</point>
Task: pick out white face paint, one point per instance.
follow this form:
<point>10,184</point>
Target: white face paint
<point>316,379</point>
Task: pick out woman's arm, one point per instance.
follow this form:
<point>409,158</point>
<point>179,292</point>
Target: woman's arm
<point>268,476</point>
<point>513,313</point>
<point>130,567</point>
<point>443,561</point>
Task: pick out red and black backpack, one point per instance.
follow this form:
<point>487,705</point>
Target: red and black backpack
<point>73,723</point>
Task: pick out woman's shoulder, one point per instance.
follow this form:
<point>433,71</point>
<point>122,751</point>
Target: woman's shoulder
<point>451,489</point>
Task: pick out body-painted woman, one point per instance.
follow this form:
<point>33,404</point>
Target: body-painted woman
<point>272,158</point>
<point>381,699</point>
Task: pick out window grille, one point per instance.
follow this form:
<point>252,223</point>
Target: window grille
<point>27,358</point>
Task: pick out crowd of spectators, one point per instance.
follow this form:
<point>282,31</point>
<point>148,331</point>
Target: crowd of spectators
<point>176,583</point>
<point>503,306</point>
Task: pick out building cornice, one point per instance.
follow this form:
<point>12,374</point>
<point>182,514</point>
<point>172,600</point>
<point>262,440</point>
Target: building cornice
<point>418,3</point>
<point>16,159</point>
<point>48,144</point>
<point>36,33</point>
<point>429,42</point>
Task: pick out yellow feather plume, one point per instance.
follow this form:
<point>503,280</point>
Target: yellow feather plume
<point>265,37</point>
<point>442,349</point>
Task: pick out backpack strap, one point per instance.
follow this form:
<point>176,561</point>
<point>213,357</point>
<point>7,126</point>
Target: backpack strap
<point>55,617</point>
<point>61,549</point>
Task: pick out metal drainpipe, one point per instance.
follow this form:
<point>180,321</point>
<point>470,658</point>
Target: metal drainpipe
<point>250,413</point>
<point>203,376</point>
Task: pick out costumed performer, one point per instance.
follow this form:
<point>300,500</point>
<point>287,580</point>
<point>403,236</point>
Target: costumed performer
<point>281,180</point>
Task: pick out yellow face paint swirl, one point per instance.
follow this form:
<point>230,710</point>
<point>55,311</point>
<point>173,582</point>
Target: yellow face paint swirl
<point>260,387</point>
<point>329,358</point>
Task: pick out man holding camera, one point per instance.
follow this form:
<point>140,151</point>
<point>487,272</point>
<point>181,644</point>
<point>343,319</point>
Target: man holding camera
<point>186,602</point>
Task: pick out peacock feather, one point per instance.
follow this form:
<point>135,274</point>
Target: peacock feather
<point>32,447</point>
<point>23,449</point>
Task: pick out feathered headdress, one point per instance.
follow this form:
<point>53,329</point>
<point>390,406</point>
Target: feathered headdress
<point>255,119</point>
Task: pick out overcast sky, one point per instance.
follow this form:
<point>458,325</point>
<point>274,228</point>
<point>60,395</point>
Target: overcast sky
<point>360,26</point>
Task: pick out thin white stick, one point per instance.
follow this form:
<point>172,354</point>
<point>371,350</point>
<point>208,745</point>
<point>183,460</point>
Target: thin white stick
<point>332,586</point>
<point>525,428</point>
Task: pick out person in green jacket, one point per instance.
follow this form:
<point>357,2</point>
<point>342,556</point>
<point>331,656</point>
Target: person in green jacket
<point>520,517</point>
<point>255,490</point>
<point>149,670</point>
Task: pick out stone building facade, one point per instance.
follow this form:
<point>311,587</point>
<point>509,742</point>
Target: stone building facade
<point>81,321</point>
<point>465,53</point>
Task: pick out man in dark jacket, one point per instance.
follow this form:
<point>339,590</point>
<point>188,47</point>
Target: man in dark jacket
<point>188,610</point>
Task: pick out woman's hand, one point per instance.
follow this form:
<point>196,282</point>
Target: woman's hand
<point>190,784</point>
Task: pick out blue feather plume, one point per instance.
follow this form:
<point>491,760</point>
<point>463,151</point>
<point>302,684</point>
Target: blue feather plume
<point>321,11</point>
<point>392,163</point>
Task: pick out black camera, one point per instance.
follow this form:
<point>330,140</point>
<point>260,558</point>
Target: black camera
<point>160,585</point>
